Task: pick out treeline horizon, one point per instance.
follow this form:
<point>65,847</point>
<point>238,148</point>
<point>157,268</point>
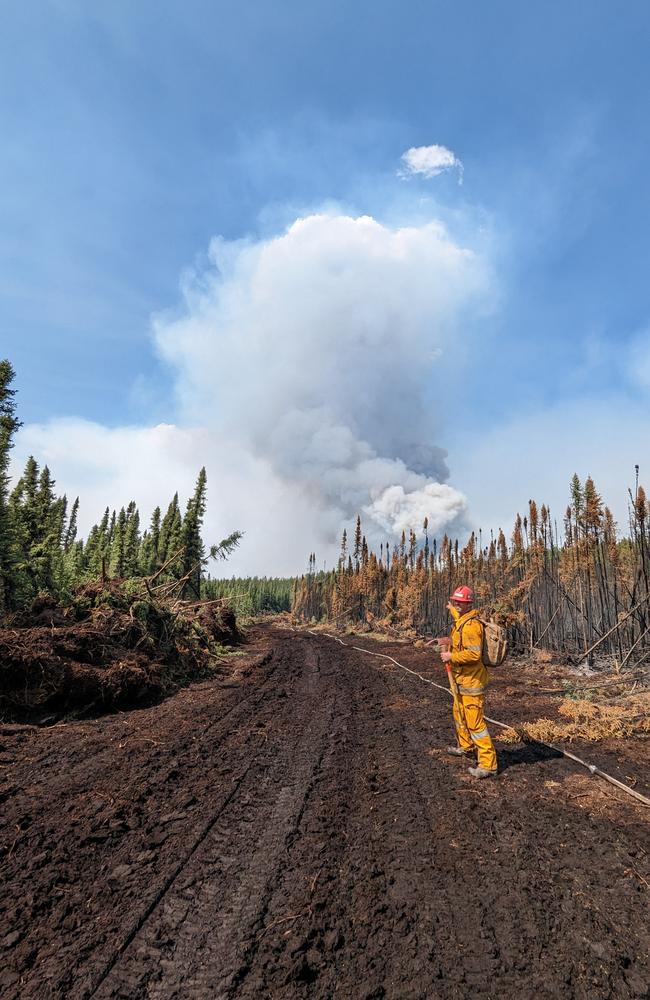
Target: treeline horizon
<point>254,594</point>
<point>39,548</point>
<point>582,590</point>
<point>575,589</point>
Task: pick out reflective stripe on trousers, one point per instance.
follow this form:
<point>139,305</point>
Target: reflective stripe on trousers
<point>473,709</point>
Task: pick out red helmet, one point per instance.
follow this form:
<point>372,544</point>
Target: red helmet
<point>464,595</point>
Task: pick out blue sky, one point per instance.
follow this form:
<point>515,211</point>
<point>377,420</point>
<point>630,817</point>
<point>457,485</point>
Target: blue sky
<point>132,134</point>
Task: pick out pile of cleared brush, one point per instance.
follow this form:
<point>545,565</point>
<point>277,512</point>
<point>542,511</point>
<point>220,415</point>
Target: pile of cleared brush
<point>113,646</point>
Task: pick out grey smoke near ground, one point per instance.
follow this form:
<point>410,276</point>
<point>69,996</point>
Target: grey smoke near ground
<point>313,354</point>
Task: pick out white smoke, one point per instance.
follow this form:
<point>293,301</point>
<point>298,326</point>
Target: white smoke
<point>313,351</point>
<point>305,363</point>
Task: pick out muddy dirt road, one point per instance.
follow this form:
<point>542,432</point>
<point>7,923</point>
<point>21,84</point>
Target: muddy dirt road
<point>297,832</point>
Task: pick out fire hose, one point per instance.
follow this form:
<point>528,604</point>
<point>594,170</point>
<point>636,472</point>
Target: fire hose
<point>593,770</point>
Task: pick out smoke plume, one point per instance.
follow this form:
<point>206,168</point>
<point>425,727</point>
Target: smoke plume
<point>305,370</point>
<point>314,350</point>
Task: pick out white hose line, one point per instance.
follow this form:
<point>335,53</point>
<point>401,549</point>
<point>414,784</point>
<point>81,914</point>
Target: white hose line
<point>495,722</point>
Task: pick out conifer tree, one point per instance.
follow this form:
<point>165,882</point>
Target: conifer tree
<point>24,502</point>
<point>193,548</point>
<point>45,553</point>
<point>118,546</point>
<point>154,536</point>
<point>23,517</point>
<point>343,557</point>
<point>74,565</point>
<point>170,531</point>
<point>131,540</point>
<point>97,549</point>
<point>577,498</point>
<point>71,530</point>
<point>9,424</point>
<point>357,543</point>
<point>593,507</point>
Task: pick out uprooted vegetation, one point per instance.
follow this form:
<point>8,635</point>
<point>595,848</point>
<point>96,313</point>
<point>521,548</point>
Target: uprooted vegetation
<point>111,646</point>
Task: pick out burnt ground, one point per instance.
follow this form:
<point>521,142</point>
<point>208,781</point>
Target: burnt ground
<point>295,830</point>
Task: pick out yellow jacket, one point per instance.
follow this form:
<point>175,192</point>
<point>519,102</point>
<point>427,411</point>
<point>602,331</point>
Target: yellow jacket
<point>466,652</point>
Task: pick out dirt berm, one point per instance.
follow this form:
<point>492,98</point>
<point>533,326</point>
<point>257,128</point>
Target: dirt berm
<point>293,830</point>
<point>110,647</point>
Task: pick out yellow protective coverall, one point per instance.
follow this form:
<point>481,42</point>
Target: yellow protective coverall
<point>472,678</point>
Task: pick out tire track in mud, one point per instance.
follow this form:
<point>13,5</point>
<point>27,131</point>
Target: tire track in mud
<point>502,923</point>
<point>352,884</point>
<point>250,702</point>
<point>147,791</point>
<point>332,852</point>
<point>98,756</point>
<point>261,818</point>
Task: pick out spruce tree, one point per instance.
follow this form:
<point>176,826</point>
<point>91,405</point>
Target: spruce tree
<point>9,424</point>
<point>71,530</point>
<point>344,551</point>
<point>95,548</point>
<point>149,546</point>
<point>24,523</point>
<point>154,534</point>
<point>193,548</point>
<point>577,497</point>
<point>45,551</point>
<point>169,539</point>
<point>118,546</point>
<point>357,543</point>
<point>131,541</point>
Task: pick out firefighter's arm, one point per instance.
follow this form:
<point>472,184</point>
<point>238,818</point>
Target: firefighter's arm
<point>472,645</point>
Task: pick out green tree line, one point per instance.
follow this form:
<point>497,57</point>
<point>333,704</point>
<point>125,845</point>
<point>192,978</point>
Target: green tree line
<point>40,550</point>
<point>254,594</point>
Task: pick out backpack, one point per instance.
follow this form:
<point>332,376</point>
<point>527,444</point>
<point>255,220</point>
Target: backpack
<point>495,644</point>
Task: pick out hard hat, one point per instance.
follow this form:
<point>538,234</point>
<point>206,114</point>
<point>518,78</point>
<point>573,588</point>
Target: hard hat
<point>464,595</point>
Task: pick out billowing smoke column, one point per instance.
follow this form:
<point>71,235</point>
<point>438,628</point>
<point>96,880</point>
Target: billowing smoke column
<point>312,354</point>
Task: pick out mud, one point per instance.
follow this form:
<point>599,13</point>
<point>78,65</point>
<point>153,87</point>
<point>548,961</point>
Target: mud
<point>294,829</point>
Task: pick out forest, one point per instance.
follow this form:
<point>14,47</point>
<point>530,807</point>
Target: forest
<point>578,589</point>
<point>41,553</point>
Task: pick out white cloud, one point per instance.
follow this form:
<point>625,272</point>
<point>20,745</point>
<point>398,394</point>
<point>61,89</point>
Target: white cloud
<point>429,161</point>
<point>304,363</point>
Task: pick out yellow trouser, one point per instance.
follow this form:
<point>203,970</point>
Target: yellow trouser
<point>473,709</point>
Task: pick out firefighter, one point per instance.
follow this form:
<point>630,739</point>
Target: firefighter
<point>465,658</point>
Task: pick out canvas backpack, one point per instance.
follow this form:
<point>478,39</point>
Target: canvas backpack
<point>495,644</point>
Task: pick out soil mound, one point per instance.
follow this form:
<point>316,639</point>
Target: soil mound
<point>111,647</point>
